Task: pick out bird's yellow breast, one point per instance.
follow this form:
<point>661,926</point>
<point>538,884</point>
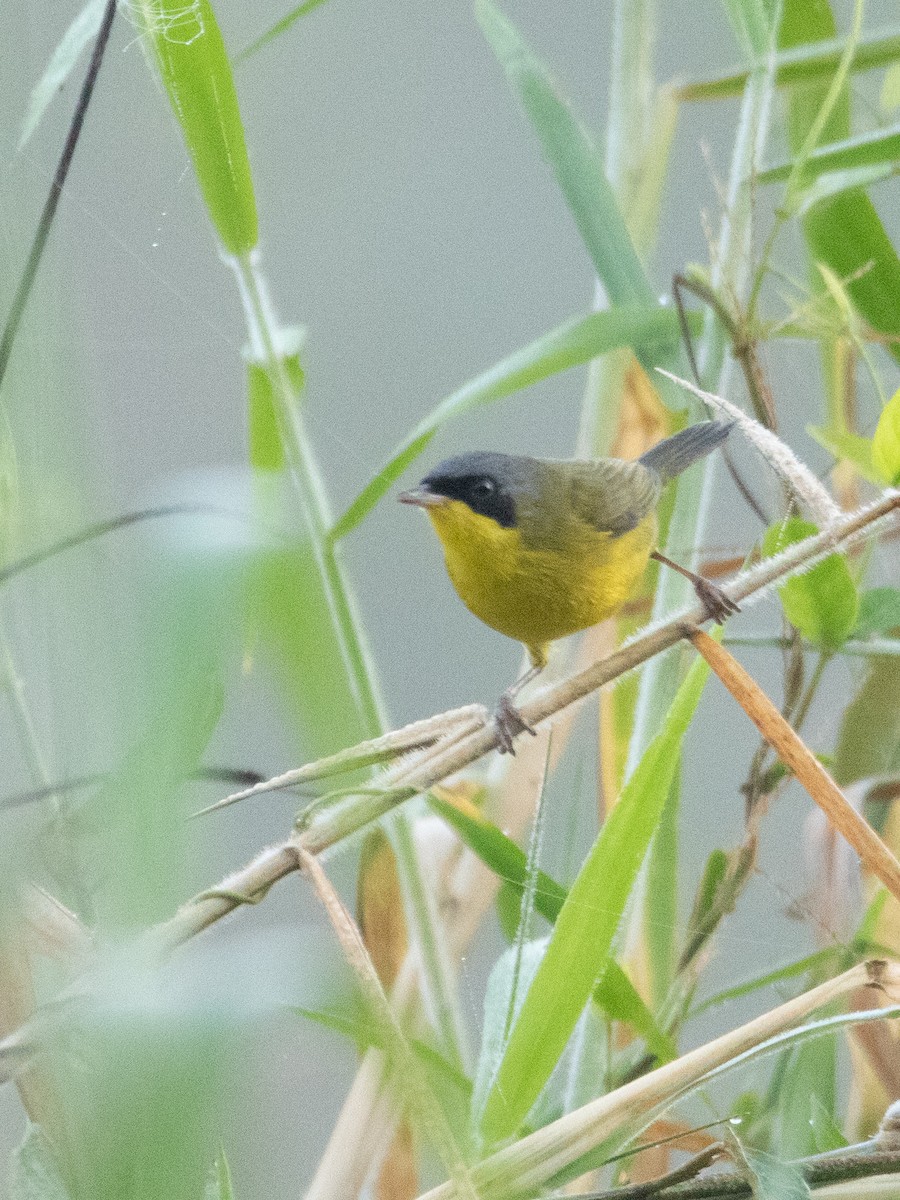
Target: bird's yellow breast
<point>537,595</point>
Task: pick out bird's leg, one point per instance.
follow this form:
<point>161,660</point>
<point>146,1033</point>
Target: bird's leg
<point>719,607</point>
<point>508,721</point>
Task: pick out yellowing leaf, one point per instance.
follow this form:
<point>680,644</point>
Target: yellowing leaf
<point>886,442</point>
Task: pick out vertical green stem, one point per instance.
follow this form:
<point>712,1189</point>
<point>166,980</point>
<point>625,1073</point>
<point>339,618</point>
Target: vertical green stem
<point>265,336</point>
<point>263,331</point>
<point>688,526</point>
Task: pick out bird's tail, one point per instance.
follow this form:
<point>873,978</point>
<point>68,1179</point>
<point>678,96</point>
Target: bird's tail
<point>675,454</point>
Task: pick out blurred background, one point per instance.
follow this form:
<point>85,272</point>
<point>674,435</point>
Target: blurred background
<point>410,225</point>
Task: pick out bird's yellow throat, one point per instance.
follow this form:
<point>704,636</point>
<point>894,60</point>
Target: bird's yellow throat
<point>539,595</point>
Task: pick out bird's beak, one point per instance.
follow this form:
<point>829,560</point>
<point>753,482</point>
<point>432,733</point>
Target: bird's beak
<point>422,498</point>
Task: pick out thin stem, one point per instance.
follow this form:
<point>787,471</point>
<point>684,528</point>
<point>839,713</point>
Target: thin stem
<point>348,628</point>
<point>45,224</point>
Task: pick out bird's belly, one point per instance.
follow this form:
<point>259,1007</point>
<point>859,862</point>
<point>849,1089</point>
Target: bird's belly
<point>537,596</point>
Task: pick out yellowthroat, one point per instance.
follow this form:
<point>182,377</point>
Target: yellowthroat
<point>540,548</point>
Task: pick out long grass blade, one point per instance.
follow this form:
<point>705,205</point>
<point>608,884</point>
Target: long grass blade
<point>582,937</point>
<point>569,345</point>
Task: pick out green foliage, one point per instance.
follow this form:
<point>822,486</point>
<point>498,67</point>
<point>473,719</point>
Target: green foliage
<point>886,442</point>
<point>195,70</point>
<point>584,930</point>
<point>823,603</point>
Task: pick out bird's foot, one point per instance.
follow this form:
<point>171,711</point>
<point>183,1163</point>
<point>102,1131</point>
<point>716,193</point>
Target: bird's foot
<point>719,607</point>
<point>508,722</point>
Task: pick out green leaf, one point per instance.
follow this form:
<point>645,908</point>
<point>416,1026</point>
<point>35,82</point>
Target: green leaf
<point>580,943</point>
<point>823,603</point>
<point>843,231</point>
<point>62,62</point>
<point>569,345</point>
<point>811,63</point>
<point>502,855</point>
<point>507,986</point>
<point>195,70</point>
<point>621,1001</point>
<point>34,1173</point>
<point>808,1076</point>
<point>801,967</point>
<point>869,739</point>
<point>278,29</point>
<point>886,442</point>
<point>574,158</point>
<point>834,182</point>
<point>879,612</point>
<point>863,150</point>
<point>851,447</point>
<point>614,992</point>
<point>218,1184</point>
<point>577,165</point>
<point>661,903</point>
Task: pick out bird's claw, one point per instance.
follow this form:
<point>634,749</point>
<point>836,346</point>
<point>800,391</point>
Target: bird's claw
<point>719,607</point>
<point>508,722</point>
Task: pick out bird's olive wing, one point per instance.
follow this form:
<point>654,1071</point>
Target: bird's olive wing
<point>612,495</point>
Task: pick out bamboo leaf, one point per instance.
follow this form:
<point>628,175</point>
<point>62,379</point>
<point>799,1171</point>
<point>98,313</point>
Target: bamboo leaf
<point>886,442</point>
<point>822,603</point>
<point>811,63</point>
<point>574,158</point>
<point>569,345</point>
<point>280,27</point>
<point>195,70</point>
<point>843,231</point>
<point>502,855</point>
<point>582,936</point>
<point>577,165</point>
<point>863,150</point>
<point>62,62</point>
<point>621,1001</point>
<point>614,993</point>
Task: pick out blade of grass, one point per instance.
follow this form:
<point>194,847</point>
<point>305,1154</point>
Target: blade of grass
<point>287,22</point>
<point>843,231</point>
<point>578,167</point>
<point>812,62</point>
<point>192,61</point>
<point>62,63</point>
<point>863,150</point>
<point>584,930</point>
<point>575,342</point>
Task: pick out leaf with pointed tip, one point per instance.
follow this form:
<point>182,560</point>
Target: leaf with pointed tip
<point>83,30</point>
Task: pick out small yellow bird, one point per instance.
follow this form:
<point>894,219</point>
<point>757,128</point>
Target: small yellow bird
<point>541,548</point>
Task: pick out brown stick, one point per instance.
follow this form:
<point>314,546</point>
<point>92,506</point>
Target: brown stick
<point>794,753</point>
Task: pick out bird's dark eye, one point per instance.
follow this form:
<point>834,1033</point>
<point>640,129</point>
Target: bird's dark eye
<point>483,488</point>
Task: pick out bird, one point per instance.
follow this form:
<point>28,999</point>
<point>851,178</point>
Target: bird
<point>541,548</point>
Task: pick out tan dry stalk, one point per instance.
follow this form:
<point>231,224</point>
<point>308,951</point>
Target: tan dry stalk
<point>807,769</point>
<point>404,1066</point>
<point>527,1164</point>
